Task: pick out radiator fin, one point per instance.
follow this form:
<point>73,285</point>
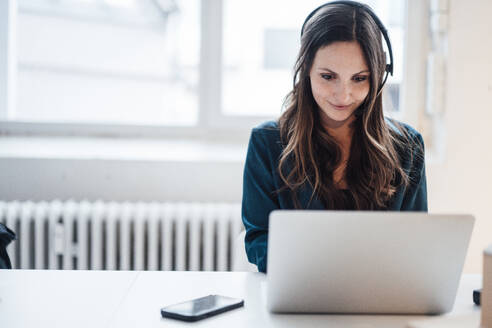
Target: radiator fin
<point>122,236</point>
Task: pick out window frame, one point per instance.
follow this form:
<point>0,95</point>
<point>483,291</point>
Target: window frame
<point>211,121</point>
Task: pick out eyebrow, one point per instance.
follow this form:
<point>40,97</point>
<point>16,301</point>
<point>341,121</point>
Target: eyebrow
<point>329,70</point>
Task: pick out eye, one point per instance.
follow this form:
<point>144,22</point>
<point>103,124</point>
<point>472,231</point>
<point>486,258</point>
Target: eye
<point>327,76</point>
<point>360,78</point>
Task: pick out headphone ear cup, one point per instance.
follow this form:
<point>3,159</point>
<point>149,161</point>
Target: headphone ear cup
<point>388,68</point>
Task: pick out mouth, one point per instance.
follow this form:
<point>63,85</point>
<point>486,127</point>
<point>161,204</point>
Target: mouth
<point>340,107</point>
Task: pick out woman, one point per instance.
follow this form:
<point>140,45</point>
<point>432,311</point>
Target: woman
<point>332,148</point>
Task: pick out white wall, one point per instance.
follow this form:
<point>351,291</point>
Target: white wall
<point>120,180</point>
<point>462,183</point>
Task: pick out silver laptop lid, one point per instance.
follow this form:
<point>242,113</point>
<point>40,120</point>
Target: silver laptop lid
<point>365,262</point>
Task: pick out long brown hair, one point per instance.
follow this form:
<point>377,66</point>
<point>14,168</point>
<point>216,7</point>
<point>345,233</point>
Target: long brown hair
<point>311,154</point>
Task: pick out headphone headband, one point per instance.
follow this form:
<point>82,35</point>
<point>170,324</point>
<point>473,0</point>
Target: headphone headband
<point>389,67</point>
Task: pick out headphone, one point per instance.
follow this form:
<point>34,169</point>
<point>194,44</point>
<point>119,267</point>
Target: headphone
<point>389,67</point>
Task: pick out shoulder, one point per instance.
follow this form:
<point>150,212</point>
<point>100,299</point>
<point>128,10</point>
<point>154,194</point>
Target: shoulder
<point>268,131</point>
<point>265,138</point>
<point>402,129</point>
<point>408,141</point>
<point>409,144</point>
<point>268,127</point>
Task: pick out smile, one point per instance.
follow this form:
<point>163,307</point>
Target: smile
<point>340,107</point>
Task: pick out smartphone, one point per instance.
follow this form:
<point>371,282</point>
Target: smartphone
<point>201,308</point>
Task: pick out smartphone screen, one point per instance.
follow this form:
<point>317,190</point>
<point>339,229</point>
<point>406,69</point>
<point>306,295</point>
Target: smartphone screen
<point>201,308</point>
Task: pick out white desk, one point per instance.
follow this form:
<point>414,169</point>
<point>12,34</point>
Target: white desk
<point>133,299</point>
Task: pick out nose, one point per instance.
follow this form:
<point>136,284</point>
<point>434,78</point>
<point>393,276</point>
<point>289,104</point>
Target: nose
<point>342,94</point>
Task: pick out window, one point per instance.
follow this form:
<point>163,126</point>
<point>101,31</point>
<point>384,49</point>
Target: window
<point>178,64</point>
<point>107,61</point>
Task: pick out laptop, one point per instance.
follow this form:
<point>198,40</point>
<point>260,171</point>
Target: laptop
<point>365,262</point>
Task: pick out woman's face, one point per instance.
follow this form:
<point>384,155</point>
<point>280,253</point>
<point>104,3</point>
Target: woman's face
<point>339,81</point>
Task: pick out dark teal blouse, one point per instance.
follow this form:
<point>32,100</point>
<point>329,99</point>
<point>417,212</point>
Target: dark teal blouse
<point>262,181</point>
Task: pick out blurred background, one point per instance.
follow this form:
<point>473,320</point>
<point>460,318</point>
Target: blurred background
<point>154,100</point>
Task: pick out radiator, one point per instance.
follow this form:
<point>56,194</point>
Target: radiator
<point>122,236</point>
